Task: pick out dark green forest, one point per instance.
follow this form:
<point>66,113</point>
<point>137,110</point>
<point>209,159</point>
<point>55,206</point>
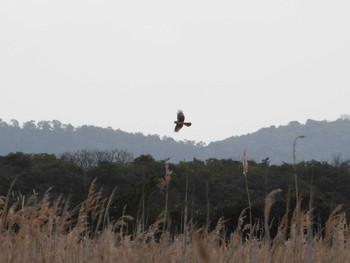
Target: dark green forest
<point>215,188</point>
<point>324,141</point>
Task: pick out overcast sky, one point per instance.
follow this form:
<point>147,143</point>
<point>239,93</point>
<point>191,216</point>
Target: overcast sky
<point>233,67</point>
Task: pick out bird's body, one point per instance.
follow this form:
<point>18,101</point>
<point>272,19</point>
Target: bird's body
<point>180,122</point>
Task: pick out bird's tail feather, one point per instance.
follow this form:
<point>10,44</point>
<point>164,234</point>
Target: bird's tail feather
<point>188,124</point>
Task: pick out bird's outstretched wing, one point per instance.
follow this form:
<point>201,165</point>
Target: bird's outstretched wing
<point>178,127</point>
<point>180,116</point>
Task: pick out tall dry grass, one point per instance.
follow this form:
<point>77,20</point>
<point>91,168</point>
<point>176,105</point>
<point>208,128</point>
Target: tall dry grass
<point>36,230</point>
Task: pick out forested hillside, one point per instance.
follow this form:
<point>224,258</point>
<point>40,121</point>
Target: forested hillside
<point>324,141</point>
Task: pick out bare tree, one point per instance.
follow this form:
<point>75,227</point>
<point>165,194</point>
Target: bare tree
<point>87,158</point>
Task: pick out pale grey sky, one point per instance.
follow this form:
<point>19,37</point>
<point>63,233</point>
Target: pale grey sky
<point>233,67</point>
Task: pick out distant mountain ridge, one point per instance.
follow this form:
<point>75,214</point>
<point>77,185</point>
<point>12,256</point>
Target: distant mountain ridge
<point>325,141</point>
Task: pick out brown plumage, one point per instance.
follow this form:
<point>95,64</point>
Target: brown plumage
<point>181,121</point>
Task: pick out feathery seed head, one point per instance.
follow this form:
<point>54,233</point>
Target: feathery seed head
<point>165,181</point>
<point>245,164</point>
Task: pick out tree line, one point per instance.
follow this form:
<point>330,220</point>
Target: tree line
<point>203,190</point>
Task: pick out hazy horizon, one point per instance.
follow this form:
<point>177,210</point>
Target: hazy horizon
<point>232,67</point>
<point>343,116</point>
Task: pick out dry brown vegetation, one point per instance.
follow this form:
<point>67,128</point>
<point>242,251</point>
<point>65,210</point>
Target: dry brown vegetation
<point>34,230</point>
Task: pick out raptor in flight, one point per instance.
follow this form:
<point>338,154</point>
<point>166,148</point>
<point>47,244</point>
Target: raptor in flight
<point>181,121</point>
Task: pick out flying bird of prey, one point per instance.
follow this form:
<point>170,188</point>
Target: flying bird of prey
<point>181,121</point>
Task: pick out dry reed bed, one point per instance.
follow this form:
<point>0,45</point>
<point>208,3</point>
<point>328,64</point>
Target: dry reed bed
<point>35,230</point>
